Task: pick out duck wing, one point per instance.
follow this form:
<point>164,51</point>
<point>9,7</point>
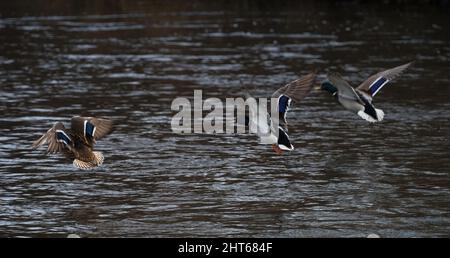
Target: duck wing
<point>375,82</point>
<point>57,138</point>
<point>298,89</point>
<point>91,128</point>
<point>293,91</point>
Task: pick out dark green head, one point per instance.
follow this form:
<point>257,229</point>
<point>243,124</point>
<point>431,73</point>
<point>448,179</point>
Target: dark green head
<point>327,86</point>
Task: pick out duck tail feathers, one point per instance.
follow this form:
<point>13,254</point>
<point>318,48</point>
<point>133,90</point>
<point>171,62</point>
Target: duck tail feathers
<point>380,114</point>
<point>366,117</point>
<point>83,165</point>
<point>98,160</point>
<point>99,157</point>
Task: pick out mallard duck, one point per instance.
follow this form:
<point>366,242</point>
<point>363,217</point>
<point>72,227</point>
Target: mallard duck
<point>77,142</point>
<point>294,91</point>
<point>359,100</point>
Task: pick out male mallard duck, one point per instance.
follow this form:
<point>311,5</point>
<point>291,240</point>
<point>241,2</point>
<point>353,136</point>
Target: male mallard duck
<point>293,91</point>
<point>77,142</point>
<point>359,100</point>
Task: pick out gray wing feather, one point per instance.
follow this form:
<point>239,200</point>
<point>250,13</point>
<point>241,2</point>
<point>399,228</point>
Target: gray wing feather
<point>298,89</point>
<point>389,74</point>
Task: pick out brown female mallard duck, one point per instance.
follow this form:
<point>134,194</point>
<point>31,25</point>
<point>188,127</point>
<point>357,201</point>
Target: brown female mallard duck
<point>77,142</point>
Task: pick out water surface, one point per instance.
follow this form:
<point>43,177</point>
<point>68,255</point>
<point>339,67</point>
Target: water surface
<point>346,178</point>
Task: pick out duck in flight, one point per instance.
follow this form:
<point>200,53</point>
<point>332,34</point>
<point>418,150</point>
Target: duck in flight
<point>77,142</point>
<point>294,91</point>
<point>359,100</point>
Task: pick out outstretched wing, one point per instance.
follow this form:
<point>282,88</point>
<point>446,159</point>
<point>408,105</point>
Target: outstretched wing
<point>345,91</point>
<point>298,89</point>
<point>91,128</point>
<point>375,82</point>
<point>293,91</point>
<point>56,137</point>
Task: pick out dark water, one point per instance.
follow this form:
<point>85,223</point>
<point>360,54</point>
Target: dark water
<point>346,178</point>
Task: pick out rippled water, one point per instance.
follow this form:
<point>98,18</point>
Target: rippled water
<point>346,178</point>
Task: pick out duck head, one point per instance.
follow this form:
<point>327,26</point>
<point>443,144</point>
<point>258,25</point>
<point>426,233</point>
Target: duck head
<point>328,86</point>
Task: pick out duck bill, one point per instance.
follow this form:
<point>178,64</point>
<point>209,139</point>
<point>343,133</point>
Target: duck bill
<point>277,149</point>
